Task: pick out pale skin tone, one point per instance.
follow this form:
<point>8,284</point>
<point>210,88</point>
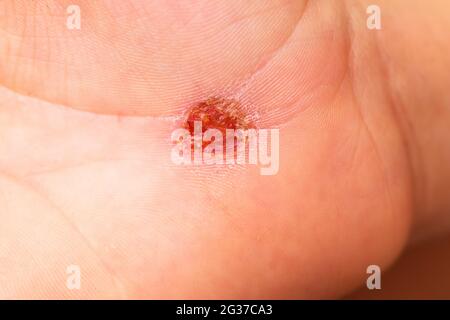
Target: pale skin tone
<point>85,122</point>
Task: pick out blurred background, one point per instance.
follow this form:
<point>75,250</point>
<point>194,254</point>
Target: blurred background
<point>421,272</point>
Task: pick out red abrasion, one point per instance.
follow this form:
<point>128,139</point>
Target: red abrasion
<point>217,113</point>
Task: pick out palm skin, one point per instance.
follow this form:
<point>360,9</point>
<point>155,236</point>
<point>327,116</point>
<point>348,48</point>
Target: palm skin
<point>86,176</point>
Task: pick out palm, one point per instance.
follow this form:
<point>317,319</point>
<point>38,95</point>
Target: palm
<point>97,188</point>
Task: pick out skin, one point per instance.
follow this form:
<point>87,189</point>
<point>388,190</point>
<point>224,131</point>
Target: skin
<point>85,122</point>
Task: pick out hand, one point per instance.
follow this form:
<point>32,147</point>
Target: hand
<point>86,116</point>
